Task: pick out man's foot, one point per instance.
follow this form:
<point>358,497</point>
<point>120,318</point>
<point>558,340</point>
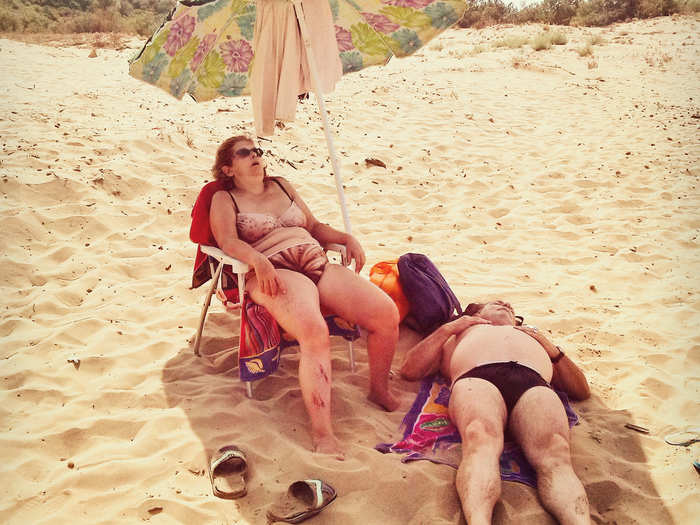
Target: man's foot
<point>386,400</point>
<point>328,444</point>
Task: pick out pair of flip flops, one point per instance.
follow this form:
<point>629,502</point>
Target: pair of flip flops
<point>304,499</point>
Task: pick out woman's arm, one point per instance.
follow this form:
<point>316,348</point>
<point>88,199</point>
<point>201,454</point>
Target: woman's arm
<point>425,358</point>
<point>566,375</point>
<point>222,219</point>
<point>326,234</point>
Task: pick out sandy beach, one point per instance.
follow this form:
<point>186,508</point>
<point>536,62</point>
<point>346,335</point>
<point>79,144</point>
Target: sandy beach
<point>565,184</point>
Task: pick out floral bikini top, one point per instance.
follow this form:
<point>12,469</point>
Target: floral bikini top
<point>253,226</point>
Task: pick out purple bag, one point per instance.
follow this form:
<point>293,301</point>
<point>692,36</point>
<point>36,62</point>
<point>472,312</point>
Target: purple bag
<point>433,303</point>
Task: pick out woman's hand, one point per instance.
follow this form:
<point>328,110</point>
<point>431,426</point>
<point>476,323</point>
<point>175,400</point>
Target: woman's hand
<point>269,280</point>
<point>355,251</point>
<point>538,336</point>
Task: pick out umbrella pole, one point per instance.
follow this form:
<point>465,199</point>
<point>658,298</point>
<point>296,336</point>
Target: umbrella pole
<point>324,118</point>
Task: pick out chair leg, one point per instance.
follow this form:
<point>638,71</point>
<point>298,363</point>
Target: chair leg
<point>248,389</point>
<point>351,357</point>
<point>203,315</point>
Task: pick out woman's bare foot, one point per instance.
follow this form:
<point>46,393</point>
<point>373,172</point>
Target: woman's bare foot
<point>386,400</point>
<point>328,444</point>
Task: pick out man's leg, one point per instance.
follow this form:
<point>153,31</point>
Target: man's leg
<point>478,411</point>
<point>538,422</point>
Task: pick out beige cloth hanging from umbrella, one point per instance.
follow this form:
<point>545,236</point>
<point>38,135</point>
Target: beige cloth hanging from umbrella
<point>280,71</point>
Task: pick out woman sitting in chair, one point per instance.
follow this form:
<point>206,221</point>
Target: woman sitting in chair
<point>262,221</point>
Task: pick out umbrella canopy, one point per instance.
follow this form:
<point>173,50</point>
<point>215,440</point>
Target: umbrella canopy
<point>205,48</point>
<point>275,50</point>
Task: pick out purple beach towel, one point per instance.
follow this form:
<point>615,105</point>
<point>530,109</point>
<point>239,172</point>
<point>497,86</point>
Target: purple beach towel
<point>429,434</point>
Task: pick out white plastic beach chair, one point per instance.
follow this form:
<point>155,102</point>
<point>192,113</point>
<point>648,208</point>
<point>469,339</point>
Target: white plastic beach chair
<point>240,269</point>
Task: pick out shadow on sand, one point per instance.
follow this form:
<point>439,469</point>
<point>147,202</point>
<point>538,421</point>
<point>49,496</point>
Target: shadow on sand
<point>272,429</point>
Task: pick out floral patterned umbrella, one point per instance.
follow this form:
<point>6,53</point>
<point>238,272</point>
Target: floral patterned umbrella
<point>205,47</point>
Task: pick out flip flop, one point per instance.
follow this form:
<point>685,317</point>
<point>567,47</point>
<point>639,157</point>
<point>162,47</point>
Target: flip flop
<point>227,473</point>
<point>303,500</point>
<point>685,438</point>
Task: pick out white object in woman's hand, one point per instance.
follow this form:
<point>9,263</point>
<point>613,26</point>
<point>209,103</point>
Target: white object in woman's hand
<point>355,251</point>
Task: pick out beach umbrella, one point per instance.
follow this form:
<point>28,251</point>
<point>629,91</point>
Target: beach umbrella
<point>275,50</point>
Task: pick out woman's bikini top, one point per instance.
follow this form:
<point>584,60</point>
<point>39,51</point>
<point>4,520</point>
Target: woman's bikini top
<point>252,226</point>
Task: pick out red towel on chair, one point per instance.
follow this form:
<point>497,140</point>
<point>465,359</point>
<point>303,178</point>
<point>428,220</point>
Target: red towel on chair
<point>200,231</point>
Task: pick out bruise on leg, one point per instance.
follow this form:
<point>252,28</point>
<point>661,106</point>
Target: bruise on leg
<point>317,400</point>
<point>324,375</point>
<point>581,506</point>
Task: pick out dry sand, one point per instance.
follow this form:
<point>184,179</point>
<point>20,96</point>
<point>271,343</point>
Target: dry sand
<point>565,184</point>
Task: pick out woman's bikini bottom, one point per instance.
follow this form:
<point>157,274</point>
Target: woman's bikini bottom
<point>309,259</point>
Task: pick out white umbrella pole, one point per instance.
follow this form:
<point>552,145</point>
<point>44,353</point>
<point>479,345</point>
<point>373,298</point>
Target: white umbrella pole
<point>322,108</point>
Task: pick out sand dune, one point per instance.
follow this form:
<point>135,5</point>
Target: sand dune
<point>566,184</point>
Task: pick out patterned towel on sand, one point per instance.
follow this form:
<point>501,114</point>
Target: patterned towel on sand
<point>429,433</point>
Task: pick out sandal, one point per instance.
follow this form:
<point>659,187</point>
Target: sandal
<point>227,473</point>
<point>685,438</point>
<point>303,500</point>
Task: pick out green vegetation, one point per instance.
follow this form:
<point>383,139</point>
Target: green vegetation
<point>83,16</point>
<point>144,16</point>
<point>482,13</point>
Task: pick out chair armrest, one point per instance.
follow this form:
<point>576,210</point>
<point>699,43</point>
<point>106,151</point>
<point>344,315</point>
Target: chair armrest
<point>333,247</point>
<point>236,265</point>
<point>241,267</point>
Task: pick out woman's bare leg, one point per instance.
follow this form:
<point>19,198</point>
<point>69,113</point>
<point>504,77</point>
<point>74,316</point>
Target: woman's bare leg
<point>358,301</point>
<point>298,312</point>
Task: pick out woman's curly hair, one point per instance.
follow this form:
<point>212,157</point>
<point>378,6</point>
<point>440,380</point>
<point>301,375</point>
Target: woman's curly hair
<point>224,157</point>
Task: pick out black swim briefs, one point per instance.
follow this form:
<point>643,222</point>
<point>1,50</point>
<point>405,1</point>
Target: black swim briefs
<point>512,379</point>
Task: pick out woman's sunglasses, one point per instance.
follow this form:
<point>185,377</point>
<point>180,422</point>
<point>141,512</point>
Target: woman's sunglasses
<point>244,152</point>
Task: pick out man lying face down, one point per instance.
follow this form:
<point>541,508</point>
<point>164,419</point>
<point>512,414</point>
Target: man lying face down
<point>501,375</point>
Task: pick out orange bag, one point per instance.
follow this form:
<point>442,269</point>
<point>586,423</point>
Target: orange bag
<point>385,274</point>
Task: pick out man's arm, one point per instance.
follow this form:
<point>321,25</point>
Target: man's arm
<point>566,375</point>
<point>569,378</point>
<point>425,357</point>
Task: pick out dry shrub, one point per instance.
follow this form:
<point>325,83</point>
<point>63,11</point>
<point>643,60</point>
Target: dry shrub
<point>511,41</point>
<point>657,58</point>
<point>9,21</point>
<point>458,53</point>
<point>595,40</point>
<point>559,38</point>
<point>541,42</point>
<point>483,13</point>
<point>98,21</point>
<point>585,51</point>
<point>652,8</point>
<point>688,7</point>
